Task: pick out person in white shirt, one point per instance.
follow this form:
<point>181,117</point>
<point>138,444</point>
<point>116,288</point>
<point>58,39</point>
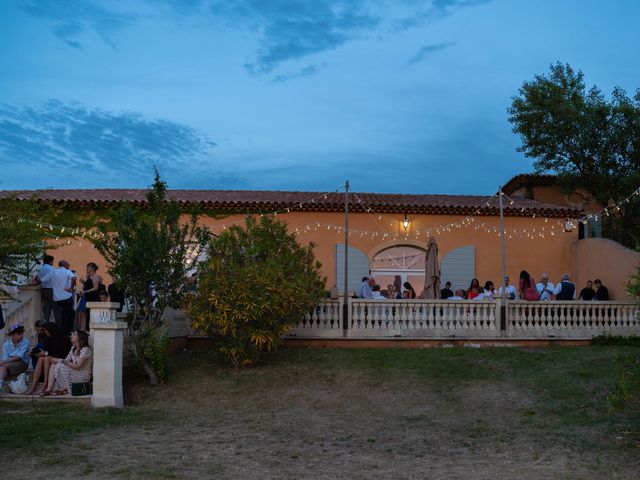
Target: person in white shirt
<point>63,282</point>
<point>459,295</point>
<point>545,287</point>
<point>510,291</point>
<point>366,289</point>
<point>46,290</point>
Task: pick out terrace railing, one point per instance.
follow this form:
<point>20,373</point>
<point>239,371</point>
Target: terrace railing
<point>323,321</point>
<point>571,319</point>
<point>433,318</point>
<point>469,319</point>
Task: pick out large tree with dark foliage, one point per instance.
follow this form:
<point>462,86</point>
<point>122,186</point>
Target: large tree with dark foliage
<point>147,249</point>
<point>591,142</point>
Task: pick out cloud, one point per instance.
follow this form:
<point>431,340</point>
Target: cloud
<point>59,135</point>
<point>286,30</point>
<point>427,50</point>
<point>292,30</point>
<point>72,19</point>
<point>304,72</point>
<point>436,10</point>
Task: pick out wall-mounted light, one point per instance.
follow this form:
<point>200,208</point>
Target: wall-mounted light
<point>405,222</point>
<point>568,226</point>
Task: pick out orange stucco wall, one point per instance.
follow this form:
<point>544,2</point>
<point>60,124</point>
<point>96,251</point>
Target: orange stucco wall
<point>607,260</point>
<point>551,254</point>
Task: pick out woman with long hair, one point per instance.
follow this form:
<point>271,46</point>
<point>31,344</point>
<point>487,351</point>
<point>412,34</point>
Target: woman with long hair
<point>55,345</point>
<point>474,289</point>
<point>75,368</point>
<point>527,287</point>
<point>90,293</point>
<point>409,288</point>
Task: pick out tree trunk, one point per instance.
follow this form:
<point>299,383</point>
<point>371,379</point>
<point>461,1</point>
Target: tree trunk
<point>153,378</point>
<point>139,356</point>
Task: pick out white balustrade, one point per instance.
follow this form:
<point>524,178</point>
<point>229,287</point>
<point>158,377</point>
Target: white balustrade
<point>24,308</point>
<point>571,319</point>
<point>325,320</point>
<point>469,319</point>
<point>423,318</point>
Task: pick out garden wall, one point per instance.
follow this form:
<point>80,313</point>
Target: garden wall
<point>604,259</point>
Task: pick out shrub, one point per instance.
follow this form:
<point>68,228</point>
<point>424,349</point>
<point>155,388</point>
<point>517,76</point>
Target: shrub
<point>606,339</point>
<point>257,283</point>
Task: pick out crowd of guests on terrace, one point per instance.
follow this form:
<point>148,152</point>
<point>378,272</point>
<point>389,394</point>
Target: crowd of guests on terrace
<point>61,355</point>
<point>65,295</point>
<point>527,289</point>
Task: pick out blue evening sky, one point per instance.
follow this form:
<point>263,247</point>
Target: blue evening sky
<point>401,96</point>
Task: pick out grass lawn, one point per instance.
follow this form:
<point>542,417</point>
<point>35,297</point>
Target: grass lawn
<point>499,413</point>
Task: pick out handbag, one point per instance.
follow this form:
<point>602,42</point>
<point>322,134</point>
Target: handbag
<point>81,388</point>
<point>19,385</point>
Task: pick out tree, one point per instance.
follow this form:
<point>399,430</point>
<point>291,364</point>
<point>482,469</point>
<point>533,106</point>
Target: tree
<point>147,249</point>
<point>257,283</point>
<point>589,142</point>
<point>21,240</point>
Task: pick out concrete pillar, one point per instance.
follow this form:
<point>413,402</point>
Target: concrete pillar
<point>102,312</point>
<point>108,344</point>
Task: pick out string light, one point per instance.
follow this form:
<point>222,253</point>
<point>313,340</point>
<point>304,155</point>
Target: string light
<point>377,217</point>
<point>608,210</point>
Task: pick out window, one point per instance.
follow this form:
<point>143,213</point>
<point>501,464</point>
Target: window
<point>404,260</point>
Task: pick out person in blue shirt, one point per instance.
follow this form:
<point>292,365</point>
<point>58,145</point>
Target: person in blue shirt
<point>15,354</point>
<point>366,289</point>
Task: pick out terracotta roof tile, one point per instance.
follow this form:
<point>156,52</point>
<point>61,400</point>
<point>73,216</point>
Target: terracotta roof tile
<point>256,200</point>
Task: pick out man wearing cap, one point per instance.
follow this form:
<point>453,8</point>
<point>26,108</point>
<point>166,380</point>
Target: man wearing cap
<point>15,354</point>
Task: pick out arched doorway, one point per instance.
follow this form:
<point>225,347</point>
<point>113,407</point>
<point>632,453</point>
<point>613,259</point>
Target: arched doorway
<point>404,260</point>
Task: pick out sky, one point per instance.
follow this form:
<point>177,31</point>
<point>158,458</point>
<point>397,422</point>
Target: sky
<point>397,96</point>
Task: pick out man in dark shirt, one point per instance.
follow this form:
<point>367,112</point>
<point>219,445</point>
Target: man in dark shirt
<point>446,291</point>
<point>116,295</point>
<point>587,293</point>
<point>602,292</point>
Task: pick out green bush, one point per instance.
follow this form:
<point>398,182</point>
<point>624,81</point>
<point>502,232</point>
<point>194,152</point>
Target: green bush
<point>154,346</point>
<point>608,340</point>
<point>257,283</point>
